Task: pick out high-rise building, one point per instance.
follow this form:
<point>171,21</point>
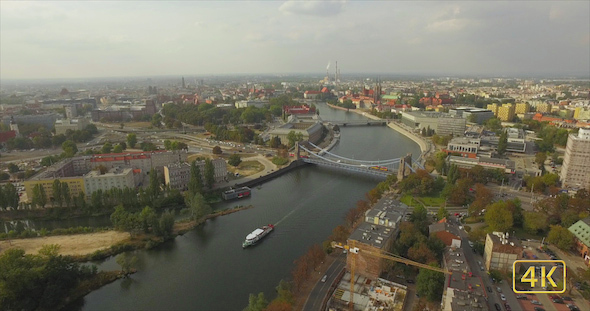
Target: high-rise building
<point>183,85</point>
<point>522,108</point>
<point>506,112</point>
<point>575,172</point>
<point>543,107</point>
<point>493,108</point>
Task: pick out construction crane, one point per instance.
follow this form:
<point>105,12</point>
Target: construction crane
<point>383,254</point>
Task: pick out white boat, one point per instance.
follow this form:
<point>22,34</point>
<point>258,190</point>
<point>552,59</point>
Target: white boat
<point>256,235</point>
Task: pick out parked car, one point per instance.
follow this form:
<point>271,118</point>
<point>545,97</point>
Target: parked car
<point>489,289</point>
<point>499,289</point>
<point>502,297</point>
<point>573,307</point>
<point>539,309</point>
<point>523,297</point>
<point>566,298</point>
<point>536,303</point>
<point>497,307</point>
<point>507,306</point>
<point>324,278</point>
<point>557,300</point>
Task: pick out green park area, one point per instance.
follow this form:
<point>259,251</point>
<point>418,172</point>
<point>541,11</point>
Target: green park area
<point>414,201</point>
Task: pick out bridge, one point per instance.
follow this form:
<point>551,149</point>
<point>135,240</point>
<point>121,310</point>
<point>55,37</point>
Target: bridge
<point>367,122</point>
<point>379,168</point>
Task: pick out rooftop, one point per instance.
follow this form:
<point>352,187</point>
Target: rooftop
<point>581,230</point>
<point>370,234</point>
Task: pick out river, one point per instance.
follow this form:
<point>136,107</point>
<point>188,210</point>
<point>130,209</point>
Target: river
<point>207,269</point>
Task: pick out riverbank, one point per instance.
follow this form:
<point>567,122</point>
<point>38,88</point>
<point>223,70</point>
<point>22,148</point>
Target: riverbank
<point>338,107</point>
<point>72,245</point>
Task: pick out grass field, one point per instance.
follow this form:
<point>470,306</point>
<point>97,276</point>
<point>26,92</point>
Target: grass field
<point>246,168</point>
<point>422,201</point>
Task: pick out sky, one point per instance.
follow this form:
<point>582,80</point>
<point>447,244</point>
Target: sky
<point>83,39</point>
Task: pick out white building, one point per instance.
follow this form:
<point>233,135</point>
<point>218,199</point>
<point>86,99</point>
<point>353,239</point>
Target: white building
<point>251,103</point>
<point>62,126</point>
<point>177,175</point>
<point>115,178</point>
<point>575,172</point>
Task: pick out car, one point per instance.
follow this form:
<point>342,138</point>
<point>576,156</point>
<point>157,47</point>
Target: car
<point>497,307</point>
<point>502,297</point>
<point>499,289</point>
<point>523,297</point>
<point>536,303</point>
<point>410,281</point>
<point>573,307</point>
<point>566,298</point>
<point>507,307</point>
<point>557,300</point>
<point>489,289</point>
<point>324,278</point>
<point>539,309</point>
<point>554,297</point>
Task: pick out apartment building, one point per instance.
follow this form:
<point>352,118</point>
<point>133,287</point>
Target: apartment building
<point>500,252</point>
<point>506,112</point>
<point>575,172</point>
<point>62,126</point>
<point>117,177</point>
<point>544,107</point>
<point>522,108</point>
<point>177,175</point>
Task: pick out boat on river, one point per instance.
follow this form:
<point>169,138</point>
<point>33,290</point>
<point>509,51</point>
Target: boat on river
<point>257,235</point>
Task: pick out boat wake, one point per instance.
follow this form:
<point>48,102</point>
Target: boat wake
<point>285,217</point>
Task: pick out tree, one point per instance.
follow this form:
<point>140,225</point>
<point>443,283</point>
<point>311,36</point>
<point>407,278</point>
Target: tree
<point>217,150</point>
<point>535,222</point>
<point>131,140</point>
<point>57,195</point>
<point>540,159</point>
<point>195,184</point>
<point>107,147</point>
<point>118,149</point>
<point>70,149</point>
<point>234,160</point>
<point>197,206</point>
<point>442,213</point>
<point>8,196</point>
<point>39,196</point>
<point>165,224</point>
<point>127,262</point>
<point>453,174</point>
<point>561,237</point>
<point>499,217</point>
<point>13,168</point>
<point>503,143</point>
<point>157,120</point>
<point>167,144</point>
<point>430,284</point>
<point>65,193</point>
<point>209,173</point>
<point>256,302</point>
<point>154,188</point>
<point>148,219</point>
<point>294,137</point>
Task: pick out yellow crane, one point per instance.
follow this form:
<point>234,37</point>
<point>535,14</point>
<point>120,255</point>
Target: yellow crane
<point>383,254</point>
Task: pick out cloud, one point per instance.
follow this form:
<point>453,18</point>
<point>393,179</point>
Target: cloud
<point>314,8</point>
<point>449,25</point>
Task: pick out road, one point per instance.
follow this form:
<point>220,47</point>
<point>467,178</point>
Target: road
<point>507,193</point>
<point>320,290</point>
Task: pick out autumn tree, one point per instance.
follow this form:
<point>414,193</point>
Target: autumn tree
<point>483,197</point>
<point>421,253</point>
<point>442,213</point>
<point>499,217</point>
<point>561,237</point>
<point>216,150</point>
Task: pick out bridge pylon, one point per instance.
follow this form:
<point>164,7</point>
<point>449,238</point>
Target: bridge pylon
<point>404,170</point>
<point>297,150</point>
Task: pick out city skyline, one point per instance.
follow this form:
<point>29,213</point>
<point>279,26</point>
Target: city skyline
<point>64,40</point>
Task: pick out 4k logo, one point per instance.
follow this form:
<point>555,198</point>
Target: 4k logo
<point>539,276</point>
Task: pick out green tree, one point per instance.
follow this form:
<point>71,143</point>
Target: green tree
<point>167,144</point>
<point>442,213</point>
<point>430,284</point>
<point>8,196</point>
<point>128,262</point>
<point>65,193</point>
<point>234,160</point>
<point>453,174</point>
<point>148,219</point>
<point>118,149</point>
<point>131,140</point>
<point>70,149</point>
<point>561,237</point>
<point>57,195</point>
<point>499,217</point>
<point>39,196</point>
<point>154,188</point>
<point>197,206</point>
<point>540,159</point>
<point>165,224</point>
<point>209,173</point>
<point>157,120</point>
<point>256,302</point>
<point>275,142</point>
<point>294,137</point>
<point>503,143</point>
<point>195,184</point>
<point>107,147</point>
<point>535,222</point>
<point>13,168</point>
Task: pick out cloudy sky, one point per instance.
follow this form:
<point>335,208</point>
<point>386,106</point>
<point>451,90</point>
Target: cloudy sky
<point>71,39</point>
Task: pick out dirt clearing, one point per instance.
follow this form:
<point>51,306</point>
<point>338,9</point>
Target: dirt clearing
<point>77,244</point>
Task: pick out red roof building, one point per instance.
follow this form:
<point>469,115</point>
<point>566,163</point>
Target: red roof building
<point>303,109</point>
